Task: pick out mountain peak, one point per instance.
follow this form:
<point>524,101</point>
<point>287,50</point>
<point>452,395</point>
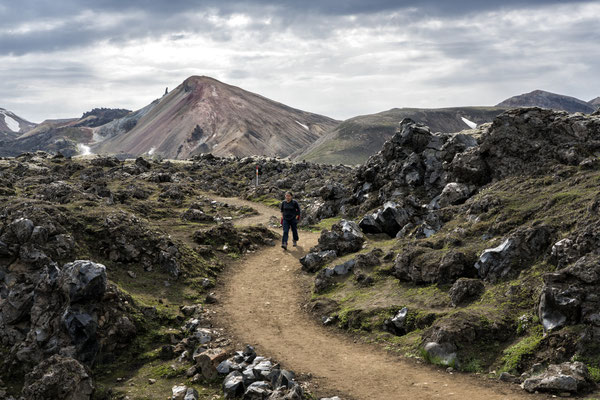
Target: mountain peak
<point>544,99</point>
<point>206,115</point>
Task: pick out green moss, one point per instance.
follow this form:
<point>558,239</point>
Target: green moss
<point>472,365</point>
<point>513,355</point>
<point>431,359</point>
<point>167,371</point>
<point>267,200</point>
<point>326,223</point>
<point>594,373</point>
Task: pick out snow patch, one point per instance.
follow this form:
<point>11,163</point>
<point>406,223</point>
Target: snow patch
<point>302,125</point>
<point>11,123</point>
<point>84,150</point>
<point>471,124</point>
<point>214,92</point>
<point>151,151</point>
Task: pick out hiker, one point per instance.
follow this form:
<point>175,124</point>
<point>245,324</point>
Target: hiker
<point>290,215</point>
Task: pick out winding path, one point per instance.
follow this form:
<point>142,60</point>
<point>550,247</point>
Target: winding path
<point>261,305</point>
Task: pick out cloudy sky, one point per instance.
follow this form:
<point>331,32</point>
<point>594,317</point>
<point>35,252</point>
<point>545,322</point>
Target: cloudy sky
<point>339,58</point>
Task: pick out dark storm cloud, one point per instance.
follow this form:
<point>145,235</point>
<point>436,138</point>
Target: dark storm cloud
<point>58,25</point>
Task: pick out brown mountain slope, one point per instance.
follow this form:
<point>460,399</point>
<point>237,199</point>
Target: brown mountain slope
<point>205,115</point>
<point>543,99</point>
<point>354,140</point>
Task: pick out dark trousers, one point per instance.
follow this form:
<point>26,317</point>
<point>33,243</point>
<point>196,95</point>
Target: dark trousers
<point>287,224</point>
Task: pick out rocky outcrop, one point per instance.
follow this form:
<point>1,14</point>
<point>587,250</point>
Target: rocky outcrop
<point>568,296</point>
<point>514,253</point>
<point>343,238</point>
<point>567,377</point>
<point>465,289</point>
<point>411,266</point>
<point>528,140</point>
<point>59,377</point>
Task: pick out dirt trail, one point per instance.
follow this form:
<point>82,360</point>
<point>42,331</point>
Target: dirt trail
<point>261,305</point>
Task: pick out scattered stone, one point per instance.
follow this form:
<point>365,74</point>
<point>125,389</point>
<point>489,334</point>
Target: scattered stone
<point>179,392</point>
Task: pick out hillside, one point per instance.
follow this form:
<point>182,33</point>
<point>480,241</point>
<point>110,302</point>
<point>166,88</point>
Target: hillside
<point>354,140</point>
<point>543,99</point>
<point>205,115</point>
<point>11,125</point>
<point>595,102</point>
<point>69,136</point>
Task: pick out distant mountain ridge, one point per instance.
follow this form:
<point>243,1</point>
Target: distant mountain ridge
<point>543,99</point>
<point>206,115</point>
<point>355,139</point>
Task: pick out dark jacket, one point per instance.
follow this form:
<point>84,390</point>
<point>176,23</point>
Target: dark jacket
<point>290,210</point>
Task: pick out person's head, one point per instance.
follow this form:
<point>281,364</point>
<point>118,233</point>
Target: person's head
<point>288,196</point>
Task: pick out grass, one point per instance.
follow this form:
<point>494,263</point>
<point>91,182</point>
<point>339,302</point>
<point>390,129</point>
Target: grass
<point>513,356</point>
<point>326,223</point>
<point>266,200</point>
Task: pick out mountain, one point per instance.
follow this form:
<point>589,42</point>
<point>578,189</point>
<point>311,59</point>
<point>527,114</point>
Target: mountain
<point>540,98</point>
<point>67,136</point>
<point>354,140</point>
<point>205,115</point>
<point>11,125</point>
<point>595,102</point>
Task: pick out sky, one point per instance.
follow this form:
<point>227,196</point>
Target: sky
<point>338,58</point>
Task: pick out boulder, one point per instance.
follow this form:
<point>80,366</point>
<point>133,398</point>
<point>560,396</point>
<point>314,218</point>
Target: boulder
<point>571,377</point>
<point>513,254</point>
<point>233,385</point>
<point>191,394</point>
<point>179,392</point>
<point>455,193</point>
<point>315,260</point>
<point>392,218</point>
<point>83,281</point>
<point>389,220</point>
<point>22,229</point>
<point>344,237</point>
<point>369,224</point>
<point>465,289</point>
<point>410,266</point>
<point>58,377</point>
<point>81,328</point>
<point>441,354</point>
<point>568,295</point>
<point>397,324</point>
<point>258,391</point>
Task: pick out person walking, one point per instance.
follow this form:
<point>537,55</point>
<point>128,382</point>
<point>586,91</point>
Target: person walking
<point>290,215</point>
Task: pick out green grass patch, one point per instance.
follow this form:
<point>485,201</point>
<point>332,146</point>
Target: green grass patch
<point>514,355</point>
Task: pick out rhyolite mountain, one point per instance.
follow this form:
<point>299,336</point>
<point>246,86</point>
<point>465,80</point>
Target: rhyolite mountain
<point>595,102</point>
<point>543,99</point>
<point>354,140</point>
<point>205,115</point>
<point>12,126</point>
<point>70,136</point>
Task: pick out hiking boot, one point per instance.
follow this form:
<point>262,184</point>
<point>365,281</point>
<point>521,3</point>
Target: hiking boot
<point>295,243</point>
<point>284,246</point>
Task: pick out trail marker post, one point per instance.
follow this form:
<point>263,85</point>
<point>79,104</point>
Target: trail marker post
<point>257,176</point>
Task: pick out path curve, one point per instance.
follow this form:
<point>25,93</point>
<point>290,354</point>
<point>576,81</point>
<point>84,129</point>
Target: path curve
<point>261,305</point>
